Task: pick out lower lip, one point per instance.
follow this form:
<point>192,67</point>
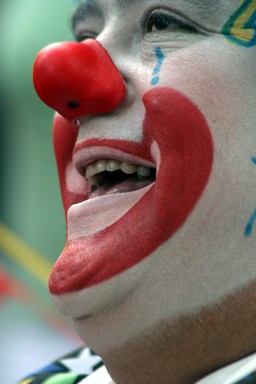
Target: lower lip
<point>119,237</point>
<point>98,213</point>
<point>131,184</point>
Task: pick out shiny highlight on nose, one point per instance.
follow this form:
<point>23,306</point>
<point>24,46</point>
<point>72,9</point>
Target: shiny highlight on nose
<point>78,79</point>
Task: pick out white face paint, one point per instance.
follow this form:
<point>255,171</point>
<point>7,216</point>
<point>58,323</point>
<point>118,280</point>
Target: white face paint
<point>206,80</point>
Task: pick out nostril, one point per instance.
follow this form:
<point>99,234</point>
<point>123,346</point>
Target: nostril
<point>73,104</point>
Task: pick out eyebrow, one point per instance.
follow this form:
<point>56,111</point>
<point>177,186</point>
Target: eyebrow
<point>204,3</point>
<point>124,3</point>
<point>90,8</point>
<point>87,8</point>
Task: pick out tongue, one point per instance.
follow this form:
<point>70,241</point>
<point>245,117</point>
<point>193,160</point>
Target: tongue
<point>128,185</point>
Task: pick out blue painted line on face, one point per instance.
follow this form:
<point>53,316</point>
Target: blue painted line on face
<point>250,225</point>
<point>160,58</point>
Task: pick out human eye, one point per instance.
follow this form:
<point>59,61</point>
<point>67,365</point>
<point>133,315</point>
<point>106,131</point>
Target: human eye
<point>86,22</point>
<point>163,21</point>
<point>84,35</point>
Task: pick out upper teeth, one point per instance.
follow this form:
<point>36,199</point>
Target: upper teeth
<point>93,170</point>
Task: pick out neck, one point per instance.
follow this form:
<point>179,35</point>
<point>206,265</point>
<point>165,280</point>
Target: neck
<point>185,350</point>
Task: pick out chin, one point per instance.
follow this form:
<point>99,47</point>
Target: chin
<point>91,302</point>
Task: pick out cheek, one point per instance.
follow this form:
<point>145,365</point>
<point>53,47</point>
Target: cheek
<point>219,78</point>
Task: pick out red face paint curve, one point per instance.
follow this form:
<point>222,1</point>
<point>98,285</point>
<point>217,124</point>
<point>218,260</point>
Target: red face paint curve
<point>64,139</point>
<point>186,156</point>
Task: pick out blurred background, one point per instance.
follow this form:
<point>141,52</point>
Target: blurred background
<point>32,228</point>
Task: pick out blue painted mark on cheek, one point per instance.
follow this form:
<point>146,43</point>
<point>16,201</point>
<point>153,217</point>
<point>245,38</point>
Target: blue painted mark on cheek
<point>252,221</point>
<point>160,58</point>
<point>250,225</point>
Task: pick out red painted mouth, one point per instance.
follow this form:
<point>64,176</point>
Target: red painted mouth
<point>176,128</point>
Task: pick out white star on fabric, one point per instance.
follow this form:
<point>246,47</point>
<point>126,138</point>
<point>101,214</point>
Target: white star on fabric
<point>82,364</point>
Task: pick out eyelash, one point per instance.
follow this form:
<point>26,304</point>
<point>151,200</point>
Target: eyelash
<point>165,22</point>
<point>83,36</point>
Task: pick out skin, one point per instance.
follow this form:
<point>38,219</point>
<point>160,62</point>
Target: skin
<point>187,308</point>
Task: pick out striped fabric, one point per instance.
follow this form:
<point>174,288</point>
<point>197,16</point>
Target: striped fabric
<point>250,379</point>
<point>70,369</point>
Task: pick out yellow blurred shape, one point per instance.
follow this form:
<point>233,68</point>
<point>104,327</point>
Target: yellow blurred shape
<point>27,381</point>
<point>24,255</point>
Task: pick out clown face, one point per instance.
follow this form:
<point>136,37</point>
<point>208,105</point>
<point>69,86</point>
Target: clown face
<point>158,187</point>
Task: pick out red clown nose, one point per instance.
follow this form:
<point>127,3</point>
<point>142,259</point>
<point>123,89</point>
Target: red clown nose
<point>78,79</point>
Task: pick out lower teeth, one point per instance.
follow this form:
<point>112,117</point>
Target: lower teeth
<point>140,177</point>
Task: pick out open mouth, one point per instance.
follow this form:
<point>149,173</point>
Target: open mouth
<point>108,176</point>
<point>115,182</point>
<point>109,232</point>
